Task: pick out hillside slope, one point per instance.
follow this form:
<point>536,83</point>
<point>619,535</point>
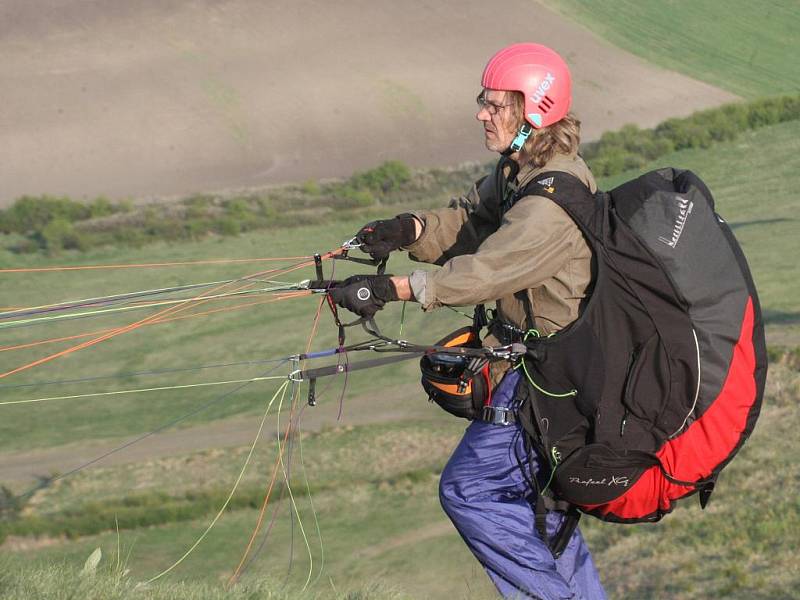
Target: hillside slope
<point>747,48</point>
<point>154,98</point>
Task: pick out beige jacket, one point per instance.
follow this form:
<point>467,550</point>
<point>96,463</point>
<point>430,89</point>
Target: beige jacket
<point>535,248</point>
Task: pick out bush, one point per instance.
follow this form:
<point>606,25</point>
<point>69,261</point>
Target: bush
<point>311,188</point>
<point>60,234</point>
<point>31,214</point>
<point>10,504</point>
<point>227,226</point>
<point>101,207</point>
<point>349,196</point>
<point>631,147</point>
<point>382,179</point>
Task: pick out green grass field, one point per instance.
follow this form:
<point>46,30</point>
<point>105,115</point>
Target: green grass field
<point>375,487</point>
<point>747,48</point>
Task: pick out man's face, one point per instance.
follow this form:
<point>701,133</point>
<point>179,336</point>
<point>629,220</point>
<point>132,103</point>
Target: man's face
<point>494,112</point>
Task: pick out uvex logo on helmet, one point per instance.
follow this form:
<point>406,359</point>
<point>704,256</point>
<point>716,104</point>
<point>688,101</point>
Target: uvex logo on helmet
<point>545,85</point>
<point>539,73</point>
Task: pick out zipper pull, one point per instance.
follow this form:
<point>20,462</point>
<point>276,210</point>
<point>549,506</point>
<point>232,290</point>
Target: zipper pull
<point>622,425</point>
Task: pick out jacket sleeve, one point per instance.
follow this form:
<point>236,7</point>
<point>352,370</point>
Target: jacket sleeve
<point>533,243</point>
<point>458,229</point>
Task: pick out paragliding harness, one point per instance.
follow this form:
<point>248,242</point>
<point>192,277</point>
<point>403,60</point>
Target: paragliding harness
<point>647,396</point>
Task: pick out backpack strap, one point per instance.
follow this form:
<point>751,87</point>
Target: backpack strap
<point>562,188</point>
<point>558,543</point>
<point>522,296</point>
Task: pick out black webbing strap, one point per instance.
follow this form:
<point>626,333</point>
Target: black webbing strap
<point>357,366</point>
<point>505,189</point>
<point>522,296</point>
<point>544,501</point>
<point>479,319</point>
<point>536,431</point>
<point>558,543</point>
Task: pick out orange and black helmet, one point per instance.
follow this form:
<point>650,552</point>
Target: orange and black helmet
<point>449,381</point>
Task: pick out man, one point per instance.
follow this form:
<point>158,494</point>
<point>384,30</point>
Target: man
<point>532,260</point>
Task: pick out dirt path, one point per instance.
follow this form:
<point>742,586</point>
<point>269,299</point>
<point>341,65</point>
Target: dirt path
<point>402,403</point>
<point>160,97</point>
<point>414,536</point>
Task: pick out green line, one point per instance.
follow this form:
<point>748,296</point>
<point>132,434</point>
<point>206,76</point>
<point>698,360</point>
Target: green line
<point>92,313</point>
<point>155,389</point>
<point>282,392</point>
<point>289,488</point>
<point>118,296</point>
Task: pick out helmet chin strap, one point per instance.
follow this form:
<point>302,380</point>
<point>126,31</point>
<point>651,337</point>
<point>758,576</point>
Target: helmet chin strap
<point>525,131</point>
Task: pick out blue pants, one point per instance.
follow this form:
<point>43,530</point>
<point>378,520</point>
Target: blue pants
<point>485,493</point>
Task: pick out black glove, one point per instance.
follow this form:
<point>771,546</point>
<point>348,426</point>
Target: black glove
<point>364,294</point>
<point>380,238</point>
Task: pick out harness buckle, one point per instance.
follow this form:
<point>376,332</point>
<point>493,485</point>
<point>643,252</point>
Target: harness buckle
<point>507,333</point>
<point>498,415</point>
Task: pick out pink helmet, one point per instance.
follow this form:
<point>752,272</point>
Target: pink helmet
<point>539,73</point>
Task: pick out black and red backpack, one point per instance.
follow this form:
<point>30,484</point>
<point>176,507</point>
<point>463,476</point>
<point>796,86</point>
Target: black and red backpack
<point>648,395</point>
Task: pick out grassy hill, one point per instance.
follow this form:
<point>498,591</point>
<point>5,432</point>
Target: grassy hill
<point>747,48</point>
<point>374,488</point>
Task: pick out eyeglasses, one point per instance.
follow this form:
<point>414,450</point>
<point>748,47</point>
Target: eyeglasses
<point>490,107</point>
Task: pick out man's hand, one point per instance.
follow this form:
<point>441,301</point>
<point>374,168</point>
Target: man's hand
<point>364,294</point>
<point>380,238</point>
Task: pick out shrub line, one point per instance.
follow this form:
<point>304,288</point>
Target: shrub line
<point>158,508</point>
<point>47,224</point>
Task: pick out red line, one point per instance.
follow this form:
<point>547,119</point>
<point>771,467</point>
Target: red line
<point>156,316</point>
<point>156,322</point>
<point>220,261</point>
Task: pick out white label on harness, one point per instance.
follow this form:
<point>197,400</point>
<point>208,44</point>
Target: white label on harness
<point>363,294</point>
<point>684,210</point>
<point>616,480</point>
<point>546,182</point>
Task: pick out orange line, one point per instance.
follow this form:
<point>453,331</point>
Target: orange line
<point>268,494</point>
<point>227,308</point>
<point>292,293</point>
<point>89,343</point>
<point>221,261</point>
<point>52,340</point>
<point>151,318</point>
<point>157,322</point>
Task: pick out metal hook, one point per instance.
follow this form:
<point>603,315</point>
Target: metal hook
<point>351,243</point>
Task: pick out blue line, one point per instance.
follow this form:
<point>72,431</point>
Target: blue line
<point>103,300</point>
